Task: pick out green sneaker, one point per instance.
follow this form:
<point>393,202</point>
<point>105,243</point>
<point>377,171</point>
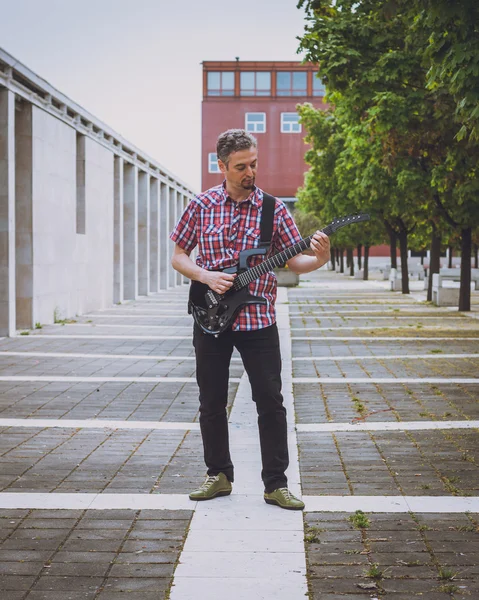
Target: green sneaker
<point>284,498</point>
<point>214,485</point>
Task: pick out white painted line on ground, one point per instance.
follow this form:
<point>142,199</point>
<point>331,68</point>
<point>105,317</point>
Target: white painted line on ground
<point>442,380</point>
<point>338,315</point>
<point>95,501</point>
<point>98,424</point>
<point>384,357</point>
<point>367,327</point>
<point>117,326</point>
<point>69,336</point>
<point>162,315</point>
<point>154,357</point>
<point>75,379</point>
<point>254,511</point>
<point>101,356</point>
<point>384,339</point>
<point>386,426</point>
<point>392,504</point>
<point>238,547</point>
<point>133,357</point>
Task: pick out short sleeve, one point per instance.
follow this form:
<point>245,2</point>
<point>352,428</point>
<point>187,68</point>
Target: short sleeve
<point>287,233</point>
<point>184,234</point>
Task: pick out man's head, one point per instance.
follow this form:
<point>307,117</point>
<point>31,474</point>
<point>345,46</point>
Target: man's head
<point>237,158</point>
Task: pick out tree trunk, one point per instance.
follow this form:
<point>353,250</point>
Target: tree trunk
<point>465,289</point>
<point>333,258</point>
<point>392,244</point>
<point>435,261</point>
<point>359,250</point>
<point>366,263</point>
<point>349,253</point>
<point>449,264</point>
<point>476,256</point>
<point>403,252</point>
<point>341,260</point>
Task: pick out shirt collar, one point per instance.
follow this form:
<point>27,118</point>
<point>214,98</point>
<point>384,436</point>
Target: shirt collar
<point>255,196</point>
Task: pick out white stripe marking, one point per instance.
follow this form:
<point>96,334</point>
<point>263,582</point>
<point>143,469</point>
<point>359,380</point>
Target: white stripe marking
<point>383,357</point>
<point>74,379</point>
<point>387,339</point>
<point>69,336</point>
<point>329,504</point>
<point>95,501</point>
<point>386,426</point>
<point>108,356</point>
<point>392,504</point>
<point>99,424</point>
<point>367,327</point>
<point>390,317</point>
<point>442,380</point>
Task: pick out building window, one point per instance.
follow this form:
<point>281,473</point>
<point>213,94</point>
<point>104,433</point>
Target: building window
<point>255,83</point>
<point>221,83</point>
<point>213,166</point>
<point>318,86</point>
<point>291,83</point>
<point>255,122</point>
<point>290,123</point>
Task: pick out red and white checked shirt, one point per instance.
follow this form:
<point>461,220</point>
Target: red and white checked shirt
<point>222,228</point>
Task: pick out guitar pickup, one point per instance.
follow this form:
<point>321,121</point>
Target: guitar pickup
<point>211,300</point>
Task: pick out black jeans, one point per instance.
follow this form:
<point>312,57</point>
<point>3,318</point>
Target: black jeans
<point>261,357</point>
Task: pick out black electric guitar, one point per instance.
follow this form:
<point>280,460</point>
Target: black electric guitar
<point>214,312</point>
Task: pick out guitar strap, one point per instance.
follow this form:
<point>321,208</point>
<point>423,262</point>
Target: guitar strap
<point>267,218</point>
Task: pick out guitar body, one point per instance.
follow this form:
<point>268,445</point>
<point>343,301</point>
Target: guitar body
<point>213,312</point>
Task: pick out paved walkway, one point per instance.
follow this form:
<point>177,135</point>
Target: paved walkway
<point>385,420</point>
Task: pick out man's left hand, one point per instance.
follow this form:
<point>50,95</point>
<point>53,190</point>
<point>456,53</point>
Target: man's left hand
<point>321,247</point>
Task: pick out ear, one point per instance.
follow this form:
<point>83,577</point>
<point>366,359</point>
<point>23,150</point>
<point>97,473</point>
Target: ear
<point>222,166</point>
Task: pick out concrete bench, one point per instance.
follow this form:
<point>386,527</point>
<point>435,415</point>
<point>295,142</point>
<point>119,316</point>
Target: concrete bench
<point>395,280</point>
<point>445,295</point>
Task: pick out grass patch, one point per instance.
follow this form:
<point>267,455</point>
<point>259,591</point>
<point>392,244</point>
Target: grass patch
<point>24,333</point>
<point>374,572</point>
<point>447,574</point>
<point>38,325</point>
<point>311,534</point>
<point>359,520</point>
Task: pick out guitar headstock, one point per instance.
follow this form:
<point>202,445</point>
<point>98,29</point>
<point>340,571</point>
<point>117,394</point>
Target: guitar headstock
<point>343,221</point>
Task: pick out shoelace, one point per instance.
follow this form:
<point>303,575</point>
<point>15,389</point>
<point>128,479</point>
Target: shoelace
<point>209,481</point>
<point>287,494</point>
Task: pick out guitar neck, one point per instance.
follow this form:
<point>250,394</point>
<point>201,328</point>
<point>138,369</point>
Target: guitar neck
<point>278,260</point>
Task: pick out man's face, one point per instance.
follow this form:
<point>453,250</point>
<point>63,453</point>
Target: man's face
<point>241,170</point>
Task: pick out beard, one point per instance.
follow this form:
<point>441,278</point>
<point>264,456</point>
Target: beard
<point>248,184</point>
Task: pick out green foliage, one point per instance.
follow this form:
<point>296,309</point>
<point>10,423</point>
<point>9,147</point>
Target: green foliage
<point>402,141</point>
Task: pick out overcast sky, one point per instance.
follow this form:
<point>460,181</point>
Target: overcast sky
<point>135,64</point>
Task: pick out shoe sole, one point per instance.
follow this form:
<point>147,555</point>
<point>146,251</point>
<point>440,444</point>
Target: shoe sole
<point>223,493</point>
<point>282,506</point>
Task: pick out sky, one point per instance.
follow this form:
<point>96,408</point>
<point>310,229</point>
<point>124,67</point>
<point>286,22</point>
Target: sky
<point>136,64</point>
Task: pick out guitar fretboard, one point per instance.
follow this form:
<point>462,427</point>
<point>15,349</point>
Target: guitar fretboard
<point>278,260</point>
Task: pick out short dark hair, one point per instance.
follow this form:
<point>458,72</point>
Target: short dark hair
<point>233,140</point>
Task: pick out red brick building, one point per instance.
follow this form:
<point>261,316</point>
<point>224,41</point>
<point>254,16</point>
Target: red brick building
<point>260,97</point>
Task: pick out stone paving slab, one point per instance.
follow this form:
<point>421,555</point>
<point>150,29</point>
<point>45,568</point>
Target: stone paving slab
<point>320,403</point>
<point>390,463</point>
<point>398,556</point>
<point>48,553</point>
<point>164,401</point>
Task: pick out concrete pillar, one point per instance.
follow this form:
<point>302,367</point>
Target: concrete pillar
<point>154,235</point>
<point>118,202</point>
<point>130,229</point>
<point>179,212</point>
<point>171,225</point>
<point>7,213</point>
<point>24,216</point>
<point>143,233</point>
<point>166,244</point>
<point>185,280</point>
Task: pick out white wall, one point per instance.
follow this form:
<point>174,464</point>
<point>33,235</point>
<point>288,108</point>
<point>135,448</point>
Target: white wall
<point>73,273</point>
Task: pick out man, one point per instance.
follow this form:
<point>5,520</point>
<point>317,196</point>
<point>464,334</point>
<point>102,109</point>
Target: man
<point>223,221</point>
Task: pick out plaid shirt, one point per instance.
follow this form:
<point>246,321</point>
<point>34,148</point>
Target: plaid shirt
<point>222,228</point>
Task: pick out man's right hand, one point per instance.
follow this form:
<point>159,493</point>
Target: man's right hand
<point>218,281</point>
